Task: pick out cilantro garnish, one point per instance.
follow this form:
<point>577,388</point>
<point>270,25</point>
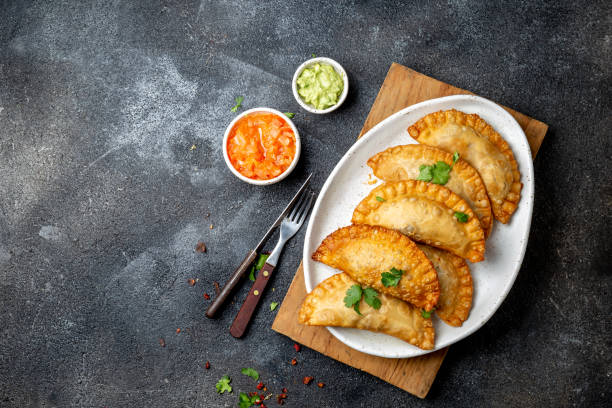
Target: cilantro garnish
<point>259,263</point>
<point>426,314</point>
<point>244,401</point>
<point>273,305</point>
<point>380,199</point>
<point>238,100</point>
<point>461,217</point>
<point>313,55</point>
<point>437,173</point>
<point>290,115</point>
<point>441,172</point>
<point>455,157</point>
<point>371,298</point>
<point>392,277</point>
<point>353,296</point>
<point>223,384</point>
<point>251,373</point>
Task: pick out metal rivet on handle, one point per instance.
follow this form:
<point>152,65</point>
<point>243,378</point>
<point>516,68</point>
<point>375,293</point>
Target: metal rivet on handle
<point>266,273</point>
<point>256,292</point>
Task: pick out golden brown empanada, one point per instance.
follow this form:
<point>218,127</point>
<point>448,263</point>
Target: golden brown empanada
<point>365,252</point>
<point>425,212</point>
<point>324,306</point>
<point>482,147</point>
<point>402,163</point>
<point>455,285</point>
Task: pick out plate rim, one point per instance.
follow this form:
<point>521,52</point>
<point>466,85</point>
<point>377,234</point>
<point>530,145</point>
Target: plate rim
<point>524,238</point>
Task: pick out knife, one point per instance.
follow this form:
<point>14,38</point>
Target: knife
<point>250,258</point>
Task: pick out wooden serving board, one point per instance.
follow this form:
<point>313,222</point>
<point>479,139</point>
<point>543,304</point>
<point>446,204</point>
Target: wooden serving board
<point>402,87</point>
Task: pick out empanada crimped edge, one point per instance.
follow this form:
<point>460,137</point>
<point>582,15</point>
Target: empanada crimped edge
<point>502,210</point>
<point>433,192</point>
<point>324,307</point>
<point>463,305</point>
<point>464,171</point>
<point>422,291</point>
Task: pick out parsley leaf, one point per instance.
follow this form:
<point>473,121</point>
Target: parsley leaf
<point>259,263</point>
<point>290,115</point>
<point>313,55</point>
<point>455,157</point>
<point>223,384</point>
<point>425,314</point>
<point>440,173</point>
<point>244,401</point>
<point>251,373</point>
<point>461,217</point>
<point>353,297</point>
<point>380,199</point>
<point>392,277</point>
<point>273,305</point>
<point>371,298</point>
<point>238,100</point>
<point>425,173</point>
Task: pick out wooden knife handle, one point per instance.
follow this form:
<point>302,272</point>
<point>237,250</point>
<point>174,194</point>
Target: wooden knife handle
<point>250,303</point>
<point>231,284</point>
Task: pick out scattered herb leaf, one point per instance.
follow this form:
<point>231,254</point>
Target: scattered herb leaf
<point>380,199</point>
<point>353,297</point>
<point>425,314</point>
<point>273,305</point>
<point>392,277</point>
<point>238,100</point>
<point>251,373</point>
<point>461,217</point>
<point>259,263</point>
<point>223,384</point>
<point>313,55</point>
<point>371,298</point>
<point>290,115</point>
<point>455,157</point>
<point>244,401</point>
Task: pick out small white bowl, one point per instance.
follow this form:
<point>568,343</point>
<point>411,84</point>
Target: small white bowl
<point>298,148</point>
<point>340,72</point>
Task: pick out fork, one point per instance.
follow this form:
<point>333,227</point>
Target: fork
<point>289,226</point>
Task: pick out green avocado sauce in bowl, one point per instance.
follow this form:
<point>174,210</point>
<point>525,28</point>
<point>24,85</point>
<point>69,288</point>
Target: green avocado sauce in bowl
<point>320,85</point>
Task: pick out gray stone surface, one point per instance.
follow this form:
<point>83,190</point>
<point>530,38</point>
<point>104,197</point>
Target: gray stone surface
<point>102,201</point>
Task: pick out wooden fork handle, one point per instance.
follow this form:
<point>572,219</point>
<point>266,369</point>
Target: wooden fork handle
<point>250,303</point>
<point>231,284</point>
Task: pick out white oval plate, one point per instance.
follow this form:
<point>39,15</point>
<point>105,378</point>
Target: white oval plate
<point>347,186</point>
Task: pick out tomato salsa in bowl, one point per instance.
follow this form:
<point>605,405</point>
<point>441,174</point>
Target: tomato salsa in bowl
<point>261,146</point>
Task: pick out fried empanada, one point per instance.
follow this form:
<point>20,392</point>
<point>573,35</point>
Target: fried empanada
<point>455,285</point>
<point>324,306</point>
<point>482,147</point>
<point>402,163</point>
<point>365,252</point>
<point>426,212</point>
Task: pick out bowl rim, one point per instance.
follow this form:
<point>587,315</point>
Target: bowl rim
<point>337,67</point>
<point>288,170</point>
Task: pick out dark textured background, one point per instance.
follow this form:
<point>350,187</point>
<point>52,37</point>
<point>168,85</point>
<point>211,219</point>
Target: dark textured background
<point>102,201</point>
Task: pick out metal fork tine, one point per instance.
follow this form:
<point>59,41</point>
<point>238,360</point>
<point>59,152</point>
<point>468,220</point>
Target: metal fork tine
<point>306,209</point>
<point>300,208</point>
<point>297,205</point>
